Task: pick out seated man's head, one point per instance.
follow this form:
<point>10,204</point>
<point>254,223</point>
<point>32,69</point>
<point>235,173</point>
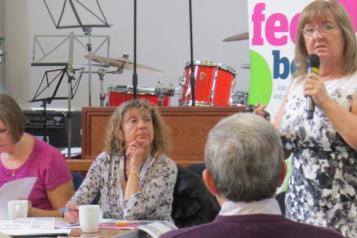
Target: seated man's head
<point>244,159</point>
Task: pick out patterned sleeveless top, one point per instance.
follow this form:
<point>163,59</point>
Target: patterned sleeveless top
<point>323,186</point>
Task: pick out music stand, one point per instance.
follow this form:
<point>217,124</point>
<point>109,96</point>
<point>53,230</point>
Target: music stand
<point>74,7</point>
<point>42,57</point>
<point>55,81</point>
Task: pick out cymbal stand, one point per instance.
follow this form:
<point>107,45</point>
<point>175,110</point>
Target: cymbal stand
<point>70,72</point>
<point>88,33</point>
<point>101,73</point>
<point>159,92</point>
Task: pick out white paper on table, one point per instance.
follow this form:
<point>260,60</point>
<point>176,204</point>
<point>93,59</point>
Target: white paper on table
<point>34,223</point>
<point>17,189</point>
<point>66,225</point>
<point>39,226</point>
<point>37,232</point>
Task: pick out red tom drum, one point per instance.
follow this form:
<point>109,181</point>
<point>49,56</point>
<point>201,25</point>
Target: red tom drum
<point>157,96</point>
<point>213,84</point>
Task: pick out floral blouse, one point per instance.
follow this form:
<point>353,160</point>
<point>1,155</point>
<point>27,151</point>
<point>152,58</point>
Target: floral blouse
<point>323,186</point>
<point>153,202</point>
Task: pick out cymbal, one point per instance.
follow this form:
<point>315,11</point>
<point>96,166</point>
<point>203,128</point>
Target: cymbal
<point>120,62</point>
<point>239,37</point>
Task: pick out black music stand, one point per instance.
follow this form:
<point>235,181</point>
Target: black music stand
<point>74,6</point>
<point>69,70</point>
<point>47,92</point>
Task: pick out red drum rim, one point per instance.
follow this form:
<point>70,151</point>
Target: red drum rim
<point>212,64</point>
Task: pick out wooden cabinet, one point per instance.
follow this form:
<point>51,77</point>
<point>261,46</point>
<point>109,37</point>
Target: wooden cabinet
<point>189,130</point>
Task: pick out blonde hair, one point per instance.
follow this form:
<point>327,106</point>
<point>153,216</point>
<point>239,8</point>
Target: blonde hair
<point>317,9</point>
<point>12,117</point>
<point>114,142</point>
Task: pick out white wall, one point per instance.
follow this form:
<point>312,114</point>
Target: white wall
<point>163,42</point>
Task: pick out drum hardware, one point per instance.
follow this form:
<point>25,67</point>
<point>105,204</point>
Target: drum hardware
<point>88,32</point>
<point>214,83</point>
<point>161,92</point>
<point>238,37</point>
<point>182,81</point>
<point>101,73</point>
<point>239,98</point>
<point>119,64</point>
<point>161,96</point>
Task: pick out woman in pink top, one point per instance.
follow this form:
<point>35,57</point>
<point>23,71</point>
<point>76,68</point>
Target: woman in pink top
<point>23,155</point>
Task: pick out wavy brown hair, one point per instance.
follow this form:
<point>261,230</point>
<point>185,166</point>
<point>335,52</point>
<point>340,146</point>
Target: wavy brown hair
<point>12,117</point>
<point>114,142</point>
<point>317,9</point>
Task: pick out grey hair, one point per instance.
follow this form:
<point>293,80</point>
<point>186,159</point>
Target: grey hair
<point>244,154</point>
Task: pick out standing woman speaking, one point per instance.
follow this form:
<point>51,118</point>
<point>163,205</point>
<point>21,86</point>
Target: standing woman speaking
<point>323,186</point>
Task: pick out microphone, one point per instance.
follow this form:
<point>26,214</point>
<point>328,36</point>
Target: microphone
<point>313,64</point>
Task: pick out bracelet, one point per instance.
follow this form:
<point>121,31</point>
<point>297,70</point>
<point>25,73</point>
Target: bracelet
<point>136,174</point>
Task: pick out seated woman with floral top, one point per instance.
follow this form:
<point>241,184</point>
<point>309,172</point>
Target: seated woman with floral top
<point>134,176</point>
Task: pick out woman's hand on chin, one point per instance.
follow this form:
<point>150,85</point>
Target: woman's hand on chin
<point>136,153</point>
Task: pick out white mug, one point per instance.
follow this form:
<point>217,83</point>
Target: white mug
<point>18,208</point>
<point>89,218</point>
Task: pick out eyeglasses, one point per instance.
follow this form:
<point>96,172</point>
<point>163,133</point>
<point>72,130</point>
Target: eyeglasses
<point>326,28</point>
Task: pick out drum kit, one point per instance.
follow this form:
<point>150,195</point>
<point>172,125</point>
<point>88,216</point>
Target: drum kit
<point>213,83</point>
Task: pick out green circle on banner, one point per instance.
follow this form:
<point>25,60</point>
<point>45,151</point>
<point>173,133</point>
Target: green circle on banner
<point>261,81</point>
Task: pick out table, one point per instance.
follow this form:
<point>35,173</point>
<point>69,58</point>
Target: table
<point>102,233</point>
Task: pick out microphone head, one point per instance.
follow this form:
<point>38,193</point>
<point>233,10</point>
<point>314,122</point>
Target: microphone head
<point>313,60</point>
